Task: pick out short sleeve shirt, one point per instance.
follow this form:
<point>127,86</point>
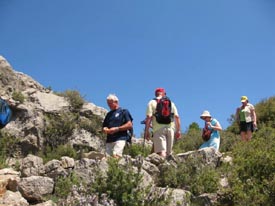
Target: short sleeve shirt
<point>150,111</point>
<point>215,133</point>
<point>245,113</point>
<point>116,118</point>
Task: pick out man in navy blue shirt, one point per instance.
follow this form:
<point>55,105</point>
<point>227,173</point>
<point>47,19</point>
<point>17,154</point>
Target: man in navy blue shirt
<point>116,124</point>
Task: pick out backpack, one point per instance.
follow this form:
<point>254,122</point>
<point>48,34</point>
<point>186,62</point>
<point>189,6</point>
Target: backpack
<point>5,113</point>
<point>130,132</point>
<point>206,132</point>
<point>163,112</point>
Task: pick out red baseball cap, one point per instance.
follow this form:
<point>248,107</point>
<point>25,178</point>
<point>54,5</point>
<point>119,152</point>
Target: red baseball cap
<point>159,90</point>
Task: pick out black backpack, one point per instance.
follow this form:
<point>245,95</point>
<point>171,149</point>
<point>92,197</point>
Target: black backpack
<point>163,112</point>
<point>130,132</point>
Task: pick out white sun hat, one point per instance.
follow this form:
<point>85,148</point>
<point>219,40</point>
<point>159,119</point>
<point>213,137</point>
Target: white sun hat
<point>205,114</point>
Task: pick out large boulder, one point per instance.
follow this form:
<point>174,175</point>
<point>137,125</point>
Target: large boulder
<point>34,188</point>
<point>32,166</point>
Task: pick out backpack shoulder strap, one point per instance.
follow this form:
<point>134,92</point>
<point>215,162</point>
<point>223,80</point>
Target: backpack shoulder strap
<point>157,99</point>
<point>162,98</point>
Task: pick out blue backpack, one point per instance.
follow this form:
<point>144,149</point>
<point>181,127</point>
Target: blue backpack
<point>5,113</point>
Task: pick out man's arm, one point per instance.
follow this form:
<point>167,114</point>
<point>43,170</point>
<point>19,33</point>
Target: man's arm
<point>254,117</point>
<point>128,125</point>
<point>177,121</point>
<point>147,127</point>
<point>177,124</point>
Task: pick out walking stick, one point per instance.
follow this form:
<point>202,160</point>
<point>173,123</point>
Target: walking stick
<point>143,144</point>
<point>144,139</point>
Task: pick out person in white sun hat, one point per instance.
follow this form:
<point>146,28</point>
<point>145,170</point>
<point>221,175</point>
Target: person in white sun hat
<point>211,130</point>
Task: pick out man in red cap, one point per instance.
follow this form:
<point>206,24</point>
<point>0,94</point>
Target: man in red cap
<point>163,131</point>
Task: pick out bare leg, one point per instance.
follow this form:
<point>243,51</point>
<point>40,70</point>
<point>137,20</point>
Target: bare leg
<point>248,135</point>
<point>243,136</point>
<point>116,156</point>
<point>163,154</point>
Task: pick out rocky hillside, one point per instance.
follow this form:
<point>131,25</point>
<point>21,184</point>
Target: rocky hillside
<point>40,120</point>
<point>28,120</point>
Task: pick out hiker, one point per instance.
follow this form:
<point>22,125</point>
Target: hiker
<point>246,118</point>
<point>163,131</point>
<point>210,135</point>
<point>116,124</point>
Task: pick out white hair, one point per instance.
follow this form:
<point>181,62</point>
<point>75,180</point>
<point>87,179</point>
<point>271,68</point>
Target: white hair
<point>112,97</point>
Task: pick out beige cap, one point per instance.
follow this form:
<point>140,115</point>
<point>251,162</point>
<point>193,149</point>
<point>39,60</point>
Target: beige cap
<point>205,114</point>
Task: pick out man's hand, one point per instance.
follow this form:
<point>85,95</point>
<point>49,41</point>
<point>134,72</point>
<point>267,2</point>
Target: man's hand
<point>111,130</point>
<point>106,130</point>
<point>178,134</point>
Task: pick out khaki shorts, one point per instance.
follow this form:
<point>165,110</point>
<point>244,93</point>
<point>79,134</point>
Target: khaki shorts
<point>163,140</point>
<point>115,148</point>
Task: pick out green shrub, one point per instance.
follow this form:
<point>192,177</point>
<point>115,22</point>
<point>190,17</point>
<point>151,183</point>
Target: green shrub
<point>18,96</point>
<point>266,112</point>
<point>190,176</point>
<point>56,153</point>
<point>75,99</point>
<point>58,129</point>
<point>228,141</point>
<point>63,185</point>
<point>190,141</point>
<point>3,158</point>
<point>8,147</point>
<point>92,125</point>
<point>122,184</point>
<point>135,150</point>
<point>234,127</point>
<point>206,180</point>
<point>251,176</point>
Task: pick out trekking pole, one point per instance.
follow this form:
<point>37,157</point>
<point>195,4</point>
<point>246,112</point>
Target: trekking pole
<point>143,122</point>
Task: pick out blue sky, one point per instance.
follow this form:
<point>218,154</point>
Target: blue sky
<point>205,53</point>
